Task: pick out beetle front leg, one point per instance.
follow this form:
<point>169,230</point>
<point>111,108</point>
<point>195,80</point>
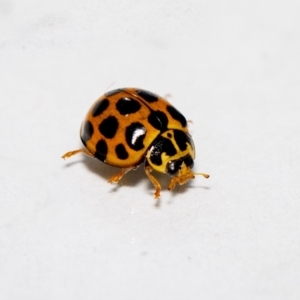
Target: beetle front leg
<point>154,181</point>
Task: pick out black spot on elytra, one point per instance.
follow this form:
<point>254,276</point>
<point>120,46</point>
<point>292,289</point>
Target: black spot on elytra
<point>177,115</point>
<point>100,107</point>
<point>109,126</point>
<point>113,92</point>
<point>158,120</point>
<point>86,132</point>
<point>147,96</point>
<point>135,134</point>
<point>101,150</point>
<point>169,135</point>
<point>127,106</point>
<point>181,139</point>
<point>121,151</point>
<point>159,146</point>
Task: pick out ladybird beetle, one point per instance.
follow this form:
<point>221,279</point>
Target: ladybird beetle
<point>128,126</point>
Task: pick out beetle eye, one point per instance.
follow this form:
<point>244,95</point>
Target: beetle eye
<point>189,161</point>
<point>173,167</point>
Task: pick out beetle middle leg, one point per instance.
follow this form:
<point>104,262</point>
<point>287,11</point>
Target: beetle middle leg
<point>118,176</point>
<point>74,152</point>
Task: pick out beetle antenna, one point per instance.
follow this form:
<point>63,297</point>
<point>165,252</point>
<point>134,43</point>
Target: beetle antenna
<point>202,174</point>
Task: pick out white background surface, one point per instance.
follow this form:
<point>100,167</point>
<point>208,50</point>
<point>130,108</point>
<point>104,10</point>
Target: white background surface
<point>230,66</point>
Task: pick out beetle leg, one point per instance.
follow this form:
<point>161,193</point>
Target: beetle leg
<point>154,181</point>
<point>118,176</point>
<point>181,179</point>
<point>172,183</point>
<point>71,153</point>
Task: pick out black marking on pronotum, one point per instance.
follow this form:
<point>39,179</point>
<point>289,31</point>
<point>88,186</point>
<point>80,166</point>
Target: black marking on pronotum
<point>159,146</point>
<point>181,139</point>
<point>100,107</point>
<point>109,126</point>
<point>135,134</point>
<point>101,150</point>
<point>126,106</point>
<point>121,152</point>
<point>176,115</point>
<point>158,120</point>
<point>147,96</point>
<point>86,132</point>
